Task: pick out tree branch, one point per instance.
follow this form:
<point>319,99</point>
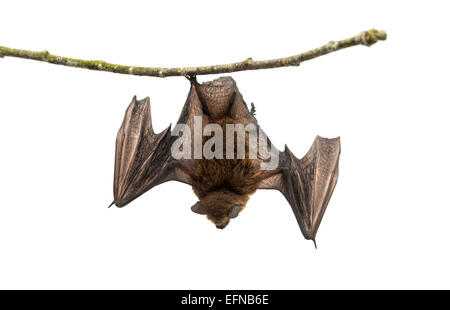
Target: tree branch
<point>364,38</point>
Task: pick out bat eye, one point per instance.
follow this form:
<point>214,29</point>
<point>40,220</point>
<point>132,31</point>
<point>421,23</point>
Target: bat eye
<point>235,212</point>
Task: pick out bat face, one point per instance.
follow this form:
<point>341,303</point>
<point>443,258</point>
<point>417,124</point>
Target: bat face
<point>218,207</point>
<point>217,148</point>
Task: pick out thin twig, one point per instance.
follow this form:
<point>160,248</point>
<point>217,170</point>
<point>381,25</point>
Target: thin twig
<point>364,38</point>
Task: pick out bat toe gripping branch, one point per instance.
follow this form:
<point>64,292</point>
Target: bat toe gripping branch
<point>192,78</point>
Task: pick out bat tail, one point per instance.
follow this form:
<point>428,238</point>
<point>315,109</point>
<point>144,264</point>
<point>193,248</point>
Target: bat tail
<point>111,204</point>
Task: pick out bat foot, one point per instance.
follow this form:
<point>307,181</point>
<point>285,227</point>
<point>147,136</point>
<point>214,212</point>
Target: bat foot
<point>192,78</point>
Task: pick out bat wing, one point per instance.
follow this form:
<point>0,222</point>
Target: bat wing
<point>307,183</point>
<point>143,158</point>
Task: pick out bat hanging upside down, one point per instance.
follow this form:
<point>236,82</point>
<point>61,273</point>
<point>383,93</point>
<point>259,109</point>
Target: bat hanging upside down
<point>223,183</point>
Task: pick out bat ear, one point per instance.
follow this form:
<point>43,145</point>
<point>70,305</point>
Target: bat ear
<point>235,212</point>
<point>198,208</point>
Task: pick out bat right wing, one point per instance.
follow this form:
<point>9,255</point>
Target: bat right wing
<point>143,157</point>
<point>307,183</point>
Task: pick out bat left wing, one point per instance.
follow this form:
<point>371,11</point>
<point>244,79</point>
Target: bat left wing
<point>307,183</point>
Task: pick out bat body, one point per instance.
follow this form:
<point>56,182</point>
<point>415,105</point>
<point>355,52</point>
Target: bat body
<point>223,183</point>
<point>224,186</point>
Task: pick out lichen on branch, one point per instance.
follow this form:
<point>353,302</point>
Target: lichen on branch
<point>366,38</point>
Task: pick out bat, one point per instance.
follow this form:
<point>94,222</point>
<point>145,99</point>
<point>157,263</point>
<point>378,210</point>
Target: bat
<point>223,184</point>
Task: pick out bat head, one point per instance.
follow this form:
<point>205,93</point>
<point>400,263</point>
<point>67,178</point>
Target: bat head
<point>220,206</point>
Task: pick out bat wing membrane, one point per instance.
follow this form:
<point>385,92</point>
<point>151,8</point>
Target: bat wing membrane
<point>143,158</point>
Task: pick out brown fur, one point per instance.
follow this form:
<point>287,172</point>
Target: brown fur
<point>221,184</point>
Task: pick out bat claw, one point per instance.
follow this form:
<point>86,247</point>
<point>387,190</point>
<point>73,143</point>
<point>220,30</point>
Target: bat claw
<point>192,78</point>
<point>111,204</point>
<point>253,109</point>
<point>315,245</point>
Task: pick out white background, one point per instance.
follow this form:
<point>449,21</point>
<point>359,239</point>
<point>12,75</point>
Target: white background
<point>387,224</point>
